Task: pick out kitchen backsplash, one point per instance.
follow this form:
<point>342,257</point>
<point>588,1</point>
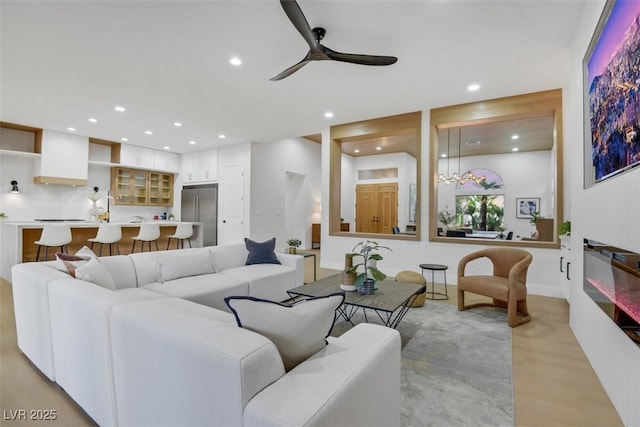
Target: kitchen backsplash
<point>57,201</point>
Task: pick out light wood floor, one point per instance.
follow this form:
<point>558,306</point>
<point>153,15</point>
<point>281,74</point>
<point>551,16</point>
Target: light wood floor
<point>554,384</point>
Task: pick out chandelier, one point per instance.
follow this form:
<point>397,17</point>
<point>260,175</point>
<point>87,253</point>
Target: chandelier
<point>456,177</point>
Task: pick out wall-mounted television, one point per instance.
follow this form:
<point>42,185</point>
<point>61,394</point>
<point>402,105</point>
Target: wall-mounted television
<point>612,95</point>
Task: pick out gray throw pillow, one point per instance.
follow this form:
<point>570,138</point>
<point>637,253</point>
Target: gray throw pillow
<point>298,331</point>
<point>261,252</point>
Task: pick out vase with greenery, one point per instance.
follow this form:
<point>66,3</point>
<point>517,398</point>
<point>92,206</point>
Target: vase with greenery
<point>446,217</point>
<point>368,250</point>
<point>294,244</point>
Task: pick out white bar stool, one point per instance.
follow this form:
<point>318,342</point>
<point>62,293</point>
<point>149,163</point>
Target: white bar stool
<point>184,231</point>
<point>149,232</point>
<point>108,234</point>
<point>51,236</point>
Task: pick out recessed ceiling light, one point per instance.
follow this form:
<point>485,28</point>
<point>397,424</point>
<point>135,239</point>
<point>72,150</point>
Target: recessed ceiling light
<point>92,120</point>
<point>515,136</point>
<point>177,124</point>
<point>235,61</point>
<point>71,129</point>
<point>119,109</point>
<point>124,139</point>
<point>356,151</point>
<point>443,155</point>
<point>473,87</point>
<point>166,147</point>
<point>378,148</point>
<point>148,132</point>
<point>328,114</point>
<point>192,142</point>
<point>514,149</point>
<point>222,136</point>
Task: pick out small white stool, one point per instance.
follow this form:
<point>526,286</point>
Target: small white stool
<point>184,231</point>
<point>149,232</point>
<point>51,236</point>
<point>108,234</point>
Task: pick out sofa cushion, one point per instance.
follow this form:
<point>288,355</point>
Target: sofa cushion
<point>93,271</point>
<point>298,331</point>
<point>266,281</point>
<point>261,252</point>
<point>209,289</point>
<point>177,264</point>
<point>83,255</point>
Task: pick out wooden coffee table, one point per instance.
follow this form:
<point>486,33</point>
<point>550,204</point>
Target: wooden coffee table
<point>390,302</point>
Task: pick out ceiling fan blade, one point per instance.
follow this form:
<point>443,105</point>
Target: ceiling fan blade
<point>360,59</point>
<point>290,70</point>
<point>299,21</point>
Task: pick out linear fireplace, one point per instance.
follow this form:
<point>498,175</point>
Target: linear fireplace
<point>612,280</point>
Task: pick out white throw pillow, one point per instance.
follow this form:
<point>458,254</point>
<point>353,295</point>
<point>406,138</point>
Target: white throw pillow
<point>298,331</point>
<point>183,263</point>
<point>93,271</point>
<point>68,263</point>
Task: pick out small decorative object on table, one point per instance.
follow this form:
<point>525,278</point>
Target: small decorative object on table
<point>348,276</point>
<point>446,217</point>
<point>293,245</point>
<point>365,281</point>
<point>94,195</point>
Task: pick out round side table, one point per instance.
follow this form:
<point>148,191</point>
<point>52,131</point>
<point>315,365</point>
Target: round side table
<point>433,268</point>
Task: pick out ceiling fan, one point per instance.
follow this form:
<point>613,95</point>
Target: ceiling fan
<point>318,52</point>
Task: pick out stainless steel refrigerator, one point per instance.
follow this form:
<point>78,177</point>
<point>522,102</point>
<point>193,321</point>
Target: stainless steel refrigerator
<point>200,204</point>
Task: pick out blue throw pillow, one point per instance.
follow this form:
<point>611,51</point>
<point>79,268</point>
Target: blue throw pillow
<point>261,252</point>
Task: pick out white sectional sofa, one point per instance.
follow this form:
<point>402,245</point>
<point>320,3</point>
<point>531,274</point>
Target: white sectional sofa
<point>162,348</point>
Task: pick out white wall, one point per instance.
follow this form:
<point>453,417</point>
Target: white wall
<point>607,212</point>
<point>271,164</point>
<point>525,174</point>
<point>57,201</point>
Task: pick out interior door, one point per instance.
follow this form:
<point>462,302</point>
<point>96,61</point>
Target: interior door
<point>376,208</point>
<point>366,208</point>
<point>231,208</point>
<point>387,207</point>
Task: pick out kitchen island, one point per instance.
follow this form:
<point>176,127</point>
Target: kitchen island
<point>18,237</point>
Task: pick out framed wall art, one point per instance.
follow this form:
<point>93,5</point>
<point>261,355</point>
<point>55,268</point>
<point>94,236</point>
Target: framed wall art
<point>612,99</point>
<point>527,206</point>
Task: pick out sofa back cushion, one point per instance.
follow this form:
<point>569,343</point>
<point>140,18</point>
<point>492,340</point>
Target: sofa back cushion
<point>121,269</point>
<point>229,256</point>
<point>183,263</point>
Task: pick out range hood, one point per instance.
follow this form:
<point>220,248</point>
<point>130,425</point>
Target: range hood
<point>64,159</point>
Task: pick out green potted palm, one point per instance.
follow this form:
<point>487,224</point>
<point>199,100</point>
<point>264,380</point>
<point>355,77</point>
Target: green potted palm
<point>294,244</point>
<point>368,250</point>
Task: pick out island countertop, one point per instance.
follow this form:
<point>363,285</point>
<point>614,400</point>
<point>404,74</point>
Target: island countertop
<point>18,239</point>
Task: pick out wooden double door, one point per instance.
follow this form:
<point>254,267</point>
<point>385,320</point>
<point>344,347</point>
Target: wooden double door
<point>376,208</point>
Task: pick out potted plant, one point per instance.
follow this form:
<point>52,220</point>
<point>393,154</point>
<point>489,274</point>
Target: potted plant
<point>368,250</point>
<point>294,244</point>
<point>565,228</point>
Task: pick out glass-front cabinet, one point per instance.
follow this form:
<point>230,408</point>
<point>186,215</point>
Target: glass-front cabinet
<point>160,189</point>
<point>141,188</point>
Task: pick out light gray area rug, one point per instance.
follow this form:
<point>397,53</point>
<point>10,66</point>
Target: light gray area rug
<point>456,366</point>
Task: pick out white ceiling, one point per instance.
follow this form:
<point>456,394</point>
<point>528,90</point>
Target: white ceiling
<point>63,62</point>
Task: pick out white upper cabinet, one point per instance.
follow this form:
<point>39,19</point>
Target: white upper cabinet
<point>140,157</point>
<point>166,161</point>
<point>199,167</point>
<point>147,158</point>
